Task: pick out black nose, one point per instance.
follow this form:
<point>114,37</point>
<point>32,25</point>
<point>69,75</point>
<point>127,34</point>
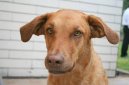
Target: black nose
<point>55,60</point>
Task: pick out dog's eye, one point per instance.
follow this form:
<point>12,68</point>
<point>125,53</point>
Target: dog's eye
<point>77,33</point>
<point>49,31</point>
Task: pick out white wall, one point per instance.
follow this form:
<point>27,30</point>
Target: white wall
<point>26,59</point>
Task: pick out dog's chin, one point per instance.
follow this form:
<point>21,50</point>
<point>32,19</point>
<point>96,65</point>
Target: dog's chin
<point>61,72</point>
<point>57,72</point>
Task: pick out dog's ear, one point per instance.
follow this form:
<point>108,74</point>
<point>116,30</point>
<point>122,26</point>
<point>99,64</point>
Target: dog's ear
<point>33,27</point>
<point>100,29</point>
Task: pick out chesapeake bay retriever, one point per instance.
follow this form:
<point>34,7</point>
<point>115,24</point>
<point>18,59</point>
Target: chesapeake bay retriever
<point>71,59</point>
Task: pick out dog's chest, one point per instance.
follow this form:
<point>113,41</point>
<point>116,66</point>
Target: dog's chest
<point>70,80</point>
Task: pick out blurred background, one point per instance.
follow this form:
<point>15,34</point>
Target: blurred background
<point>26,60</point>
<point>123,63</point>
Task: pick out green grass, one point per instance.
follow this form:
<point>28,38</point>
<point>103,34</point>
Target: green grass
<point>122,63</point>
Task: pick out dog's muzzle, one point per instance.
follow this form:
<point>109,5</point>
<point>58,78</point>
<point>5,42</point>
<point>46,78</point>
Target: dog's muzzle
<point>56,64</point>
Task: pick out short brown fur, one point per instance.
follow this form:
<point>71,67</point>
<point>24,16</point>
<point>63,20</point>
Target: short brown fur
<point>68,35</point>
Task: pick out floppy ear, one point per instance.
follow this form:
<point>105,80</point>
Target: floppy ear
<point>33,27</point>
<point>100,29</point>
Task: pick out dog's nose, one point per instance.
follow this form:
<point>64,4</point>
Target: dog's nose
<point>55,59</point>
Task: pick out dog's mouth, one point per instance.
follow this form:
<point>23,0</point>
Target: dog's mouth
<point>56,72</point>
<point>60,71</point>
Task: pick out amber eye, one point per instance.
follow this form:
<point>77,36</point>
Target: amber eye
<point>77,33</point>
<point>49,31</point>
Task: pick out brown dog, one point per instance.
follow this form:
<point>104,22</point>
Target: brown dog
<point>71,59</point>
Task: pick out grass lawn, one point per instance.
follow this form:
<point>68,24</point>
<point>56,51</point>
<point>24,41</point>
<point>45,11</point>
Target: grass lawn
<point>122,63</point>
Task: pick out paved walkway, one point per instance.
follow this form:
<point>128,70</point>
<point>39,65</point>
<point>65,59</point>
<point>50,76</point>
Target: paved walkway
<point>121,80</point>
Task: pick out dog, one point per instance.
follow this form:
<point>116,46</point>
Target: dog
<point>71,59</point>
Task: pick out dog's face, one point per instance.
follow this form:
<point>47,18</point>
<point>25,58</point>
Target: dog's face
<point>67,34</point>
<point>65,38</point>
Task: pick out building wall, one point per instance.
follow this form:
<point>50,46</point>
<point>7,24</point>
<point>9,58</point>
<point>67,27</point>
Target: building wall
<point>27,59</point>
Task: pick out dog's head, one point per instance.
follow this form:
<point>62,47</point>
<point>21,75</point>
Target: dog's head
<point>68,34</point>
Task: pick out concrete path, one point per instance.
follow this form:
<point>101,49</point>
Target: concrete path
<point>25,81</point>
<point>121,80</point>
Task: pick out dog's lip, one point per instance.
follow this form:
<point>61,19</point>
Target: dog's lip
<point>56,72</point>
<point>61,71</point>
